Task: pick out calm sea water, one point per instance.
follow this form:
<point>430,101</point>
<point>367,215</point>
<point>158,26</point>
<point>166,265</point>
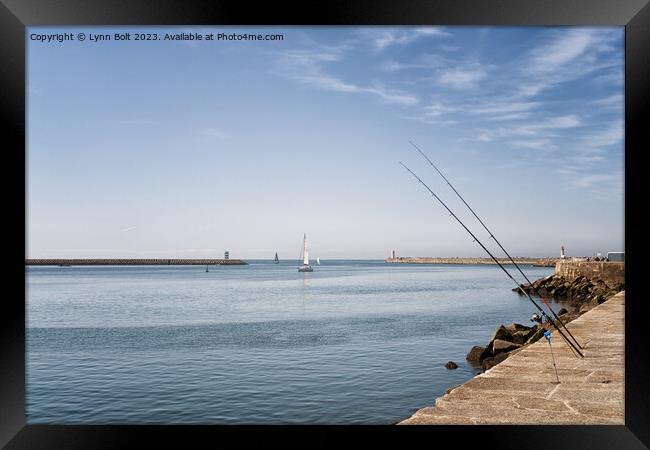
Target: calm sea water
<point>352,342</point>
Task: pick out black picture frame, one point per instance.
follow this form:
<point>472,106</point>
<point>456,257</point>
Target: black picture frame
<point>15,15</point>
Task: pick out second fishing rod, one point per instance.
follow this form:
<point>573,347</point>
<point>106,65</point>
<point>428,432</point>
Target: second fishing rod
<point>498,243</point>
<point>571,344</point>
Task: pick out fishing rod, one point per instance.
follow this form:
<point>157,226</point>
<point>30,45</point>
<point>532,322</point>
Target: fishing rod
<point>498,243</point>
<point>572,345</point>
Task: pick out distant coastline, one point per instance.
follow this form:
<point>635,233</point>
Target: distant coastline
<point>543,262</point>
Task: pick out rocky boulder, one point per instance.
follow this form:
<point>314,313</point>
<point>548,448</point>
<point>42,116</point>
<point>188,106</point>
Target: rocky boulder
<point>584,308</point>
<point>451,365</point>
<point>478,354</point>
<point>500,346</point>
<point>488,363</point>
<point>520,337</point>
<point>536,336</point>
<point>501,333</point>
<point>520,333</point>
<point>514,327</point>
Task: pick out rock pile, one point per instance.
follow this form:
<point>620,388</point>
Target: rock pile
<point>507,340</point>
<point>580,292</point>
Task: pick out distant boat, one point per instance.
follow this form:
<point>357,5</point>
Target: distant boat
<point>318,260</point>
<point>305,257</point>
<point>276,258</point>
<point>206,268</point>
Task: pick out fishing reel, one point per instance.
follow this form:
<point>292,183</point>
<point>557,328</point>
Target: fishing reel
<point>536,318</point>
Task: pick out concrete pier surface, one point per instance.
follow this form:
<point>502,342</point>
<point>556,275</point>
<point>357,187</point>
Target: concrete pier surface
<point>523,388</point>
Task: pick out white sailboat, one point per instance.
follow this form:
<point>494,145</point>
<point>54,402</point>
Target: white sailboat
<point>318,260</point>
<point>305,257</point>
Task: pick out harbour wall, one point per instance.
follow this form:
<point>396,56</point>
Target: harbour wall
<point>610,272</point>
<point>546,262</point>
<point>133,262</point>
<point>523,389</point>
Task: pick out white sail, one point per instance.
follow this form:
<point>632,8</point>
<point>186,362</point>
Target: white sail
<point>318,260</point>
<point>305,259</point>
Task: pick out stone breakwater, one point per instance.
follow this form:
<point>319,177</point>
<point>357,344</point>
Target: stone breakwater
<point>132,262</point>
<point>508,340</point>
<point>581,286</point>
<point>523,388</point>
<point>545,262</point>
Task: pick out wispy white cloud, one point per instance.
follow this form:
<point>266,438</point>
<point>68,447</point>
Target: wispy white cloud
<point>391,96</point>
<point>611,135</point>
<point>126,230</point>
<point>598,184</point>
<point>535,144</point>
<point>326,82</point>
<point>383,38</point>
<point>139,122</point>
<point>530,128</point>
<point>562,48</point>
<point>449,48</point>
<point>433,113</point>
<point>585,159</point>
<point>507,117</point>
<point>462,77</point>
<point>306,67</point>
<point>612,77</point>
<point>330,83</point>
<point>445,72</point>
<point>613,101</point>
<point>565,56</point>
<point>313,56</point>
<point>425,61</point>
<point>213,133</point>
<point>588,181</point>
<point>498,109</point>
<point>494,107</point>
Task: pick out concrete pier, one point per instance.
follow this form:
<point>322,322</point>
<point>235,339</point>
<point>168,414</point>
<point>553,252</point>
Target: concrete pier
<point>523,388</point>
<point>132,262</point>
<point>546,262</point>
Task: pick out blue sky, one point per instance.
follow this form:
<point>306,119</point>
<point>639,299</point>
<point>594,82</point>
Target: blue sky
<point>187,149</point>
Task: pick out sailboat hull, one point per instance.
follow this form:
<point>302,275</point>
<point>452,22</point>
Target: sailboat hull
<point>305,269</point>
